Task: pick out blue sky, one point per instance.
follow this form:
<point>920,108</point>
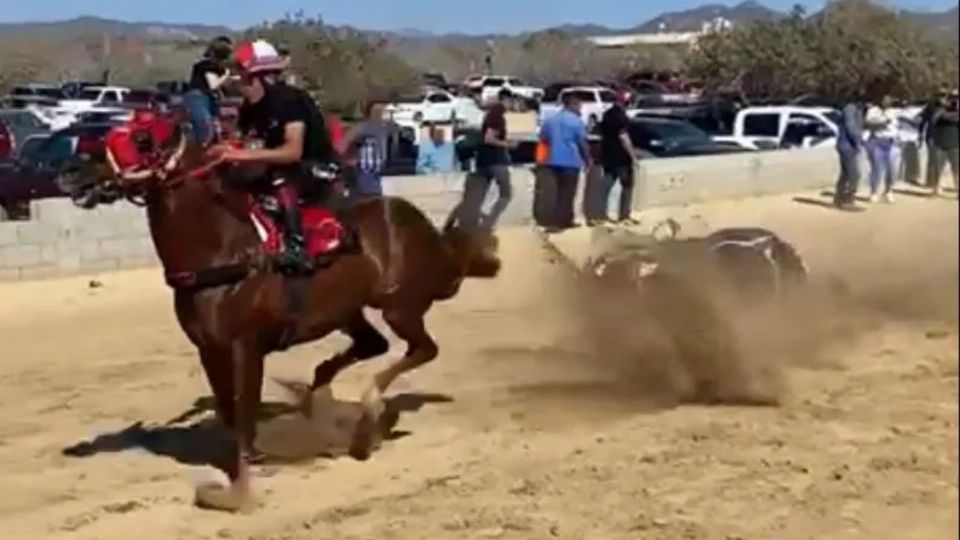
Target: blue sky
<point>470,16</point>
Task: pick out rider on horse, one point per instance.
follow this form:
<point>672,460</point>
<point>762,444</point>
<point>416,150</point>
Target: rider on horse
<point>296,145</point>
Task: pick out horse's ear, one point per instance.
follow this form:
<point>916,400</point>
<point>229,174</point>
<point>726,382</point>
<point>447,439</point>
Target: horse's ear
<point>174,160</point>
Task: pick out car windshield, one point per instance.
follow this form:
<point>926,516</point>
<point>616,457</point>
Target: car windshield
<point>515,82</point>
<point>676,131</point>
<point>89,95</point>
<point>139,96</point>
<point>584,96</point>
<point>54,93</point>
<point>49,92</point>
<point>412,98</point>
<point>493,81</point>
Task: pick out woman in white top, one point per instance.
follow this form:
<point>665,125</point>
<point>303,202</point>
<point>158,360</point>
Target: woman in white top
<point>883,147</point>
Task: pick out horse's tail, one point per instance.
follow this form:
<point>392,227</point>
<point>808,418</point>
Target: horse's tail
<point>474,253</point>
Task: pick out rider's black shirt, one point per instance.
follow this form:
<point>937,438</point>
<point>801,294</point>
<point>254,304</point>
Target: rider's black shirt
<point>282,105</point>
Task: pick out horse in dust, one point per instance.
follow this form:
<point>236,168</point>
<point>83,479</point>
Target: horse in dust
<point>693,289</point>
<point>236,307</point>
<point>752,263</point>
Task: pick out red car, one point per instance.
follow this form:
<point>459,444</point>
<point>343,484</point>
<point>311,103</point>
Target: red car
<point>6,141</point>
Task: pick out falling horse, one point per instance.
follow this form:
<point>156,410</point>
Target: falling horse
<point>236,309</point>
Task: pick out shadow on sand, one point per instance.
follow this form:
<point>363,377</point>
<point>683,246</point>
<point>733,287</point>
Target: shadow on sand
<point>284,433</point>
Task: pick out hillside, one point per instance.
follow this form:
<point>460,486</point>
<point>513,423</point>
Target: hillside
<point>139,52</point>
<point>692,20</point>
<point>96,26</point>
<point>944,24</point>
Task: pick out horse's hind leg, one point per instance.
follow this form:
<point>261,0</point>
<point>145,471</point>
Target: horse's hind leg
<point>409,325</point>
<point>367,342</point>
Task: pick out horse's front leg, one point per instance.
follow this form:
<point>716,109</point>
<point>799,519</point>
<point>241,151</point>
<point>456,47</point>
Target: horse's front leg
<point>237,380</point>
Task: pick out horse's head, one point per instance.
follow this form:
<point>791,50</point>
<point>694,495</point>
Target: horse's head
<point>136,158</point>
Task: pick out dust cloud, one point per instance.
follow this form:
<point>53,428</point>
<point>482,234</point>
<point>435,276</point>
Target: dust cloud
<point>683,339</point>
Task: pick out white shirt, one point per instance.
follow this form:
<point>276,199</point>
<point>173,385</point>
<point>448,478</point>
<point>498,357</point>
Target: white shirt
<point>882,123</point>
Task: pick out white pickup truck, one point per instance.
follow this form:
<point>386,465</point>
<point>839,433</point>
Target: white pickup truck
<point>435,105</point>
<point>95,96</point>
<point>594,101</point>
<point>491,88</point>
<point>769,127</point>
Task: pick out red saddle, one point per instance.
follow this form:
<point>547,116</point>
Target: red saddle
<point>322,231</point>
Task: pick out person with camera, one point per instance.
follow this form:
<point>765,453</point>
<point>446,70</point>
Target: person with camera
<point>207,78</point>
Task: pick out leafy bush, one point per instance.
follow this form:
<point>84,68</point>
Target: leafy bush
<point>853,48</point>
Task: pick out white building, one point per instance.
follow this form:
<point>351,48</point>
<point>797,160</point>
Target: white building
<point>662,37</point>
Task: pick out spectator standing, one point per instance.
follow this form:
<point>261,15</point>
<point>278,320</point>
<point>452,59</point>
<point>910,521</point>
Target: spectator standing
<point>925,131</point>
<point>566,138</point>
<point>849,145</point>
<point>493,164</point>
<point>365,147</point>
<point>909,137</point>
<point>435,154</point>
<point>617,159</point>
<point>944,143</point>
<point>207,77</point>
<point>883,148</point>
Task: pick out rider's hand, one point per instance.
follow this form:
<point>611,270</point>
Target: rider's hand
<point>231,153</point>
<point>216,151</point>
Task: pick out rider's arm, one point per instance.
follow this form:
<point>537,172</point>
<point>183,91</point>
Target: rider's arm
<point>215,81</point>
<point>290,152</point>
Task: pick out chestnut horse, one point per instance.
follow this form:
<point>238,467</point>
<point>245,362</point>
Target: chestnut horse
<point>240,310</point>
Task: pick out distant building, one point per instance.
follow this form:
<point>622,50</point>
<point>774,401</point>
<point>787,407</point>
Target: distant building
<point>662,36</point>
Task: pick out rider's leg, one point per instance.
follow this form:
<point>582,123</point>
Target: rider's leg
<point>294,249</point>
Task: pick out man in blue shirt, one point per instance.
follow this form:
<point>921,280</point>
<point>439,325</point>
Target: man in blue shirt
<point>565,135</point>
<point>435,154</point>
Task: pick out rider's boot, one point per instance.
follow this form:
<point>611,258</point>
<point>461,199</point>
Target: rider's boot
<point>294,257</point>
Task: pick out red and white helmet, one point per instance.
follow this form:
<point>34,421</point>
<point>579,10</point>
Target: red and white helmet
<point>258,56</point>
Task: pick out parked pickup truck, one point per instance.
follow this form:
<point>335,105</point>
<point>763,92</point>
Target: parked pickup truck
<point>435,105</point>
<point>490,88</point>
<point>594,101</point>
<point>771,127</point>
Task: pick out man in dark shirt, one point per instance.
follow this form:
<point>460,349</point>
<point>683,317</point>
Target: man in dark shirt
<point>943,142</point>
<point>617,158</point>
<point>294,137</point>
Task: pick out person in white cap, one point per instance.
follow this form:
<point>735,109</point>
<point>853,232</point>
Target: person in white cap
<point>295,139</point>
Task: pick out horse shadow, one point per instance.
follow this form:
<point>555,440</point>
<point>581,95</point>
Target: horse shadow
<point>284,434</point>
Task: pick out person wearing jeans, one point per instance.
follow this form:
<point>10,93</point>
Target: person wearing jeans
<point>493,164</point>
<point>883,149</point>
<point>565,135</point>
<point>206,79</point>
<point>849,143</point>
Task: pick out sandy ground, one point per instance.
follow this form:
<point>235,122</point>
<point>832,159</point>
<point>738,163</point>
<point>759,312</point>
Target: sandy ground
<point>511,433</point>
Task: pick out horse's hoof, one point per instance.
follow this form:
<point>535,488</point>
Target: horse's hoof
<point>214,496</point>
<point>366,437</point>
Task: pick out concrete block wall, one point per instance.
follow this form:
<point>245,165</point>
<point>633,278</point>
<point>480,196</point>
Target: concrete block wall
<point>61,239</point>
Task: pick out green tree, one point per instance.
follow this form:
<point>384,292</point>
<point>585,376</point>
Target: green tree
<point>852,48</point>
<point>343,68</point>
